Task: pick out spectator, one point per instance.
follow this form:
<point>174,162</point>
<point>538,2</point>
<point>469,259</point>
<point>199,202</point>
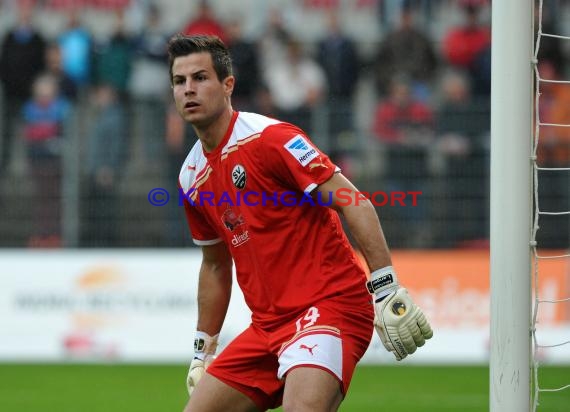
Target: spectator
<point>179,137</point>
<point>105,157</point>
<point>296,87</point>
<point>462,44</point>
<point>44,116</point>
<point>66,85</point>
<point>460,117</point>
<point>481,74</point>
<point>468,47</point>
<point>406,51</point>
<point>205,22</point>
<point>113,59</point>
<point>21,60</point>
<point>389,10</point>
<point>405,125</point>
<point>76,49</point>
<point>462,128</point>
<point>148,80</point>
<point>273,41</point>
<point>402,119</point>
<point>246,69</point>
<point>149,85</point>
<point>337,56</point>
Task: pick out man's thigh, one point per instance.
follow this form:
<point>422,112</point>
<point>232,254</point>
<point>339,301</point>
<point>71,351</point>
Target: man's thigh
<point>311,389</point>
<point>249,367</point>
<point>213,395</point>
<point>329,338</point>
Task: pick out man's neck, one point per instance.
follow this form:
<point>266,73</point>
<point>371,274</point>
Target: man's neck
<point>212,135</point>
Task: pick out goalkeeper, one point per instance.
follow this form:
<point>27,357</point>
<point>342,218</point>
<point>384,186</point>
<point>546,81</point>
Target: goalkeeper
<point>313,308</point>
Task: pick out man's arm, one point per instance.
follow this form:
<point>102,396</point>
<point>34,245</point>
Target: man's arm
<point>214,287</point>
<point>400,323</point>
<point>361,219</point>
<point>214,291</point>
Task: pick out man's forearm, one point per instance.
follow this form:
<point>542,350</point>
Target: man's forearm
<point>365,227</point>
<point>361,218</point>
<point>214,291</point>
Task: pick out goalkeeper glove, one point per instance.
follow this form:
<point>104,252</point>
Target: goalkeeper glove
<point>400,323</point>
<point>204,351</point>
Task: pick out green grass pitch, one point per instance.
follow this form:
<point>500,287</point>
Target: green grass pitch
<point>160,388</point>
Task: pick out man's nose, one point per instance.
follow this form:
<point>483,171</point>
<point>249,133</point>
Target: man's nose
<point>189,87</point>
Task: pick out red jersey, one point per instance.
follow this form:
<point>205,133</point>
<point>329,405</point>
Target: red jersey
<point>252,193</point>
<point>462,45</point>
<point>392,121</point>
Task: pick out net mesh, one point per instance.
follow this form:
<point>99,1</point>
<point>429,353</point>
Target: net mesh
<point>539,301</point>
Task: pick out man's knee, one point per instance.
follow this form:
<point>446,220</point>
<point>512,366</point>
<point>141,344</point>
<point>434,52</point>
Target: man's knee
<point>299,405</point>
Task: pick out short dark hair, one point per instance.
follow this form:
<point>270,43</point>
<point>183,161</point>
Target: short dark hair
<point>182,45</point>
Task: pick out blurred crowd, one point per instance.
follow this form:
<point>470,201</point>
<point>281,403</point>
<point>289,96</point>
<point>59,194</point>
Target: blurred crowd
<point>88,127</point>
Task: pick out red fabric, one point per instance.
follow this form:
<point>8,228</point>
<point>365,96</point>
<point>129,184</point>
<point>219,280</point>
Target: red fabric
<point>461,45</point>
<point>351,318</point>
<point>101,4</point>
<point>66,4</point>
<point>360,4</point>
<point>110,4</point>
<point>476,3</point>
<point>391,120</point>
<point>41,131</point>
<point>276,248</point>
<point>321,4</point>
<point>205,26</point>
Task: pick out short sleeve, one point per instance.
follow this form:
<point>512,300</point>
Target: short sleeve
<point>291,157</point>
<point>203,234</point>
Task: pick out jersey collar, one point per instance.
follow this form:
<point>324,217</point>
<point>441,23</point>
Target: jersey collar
<point>218,150</point>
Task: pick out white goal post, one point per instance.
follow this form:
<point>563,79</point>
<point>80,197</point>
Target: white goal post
<point>511,205</point>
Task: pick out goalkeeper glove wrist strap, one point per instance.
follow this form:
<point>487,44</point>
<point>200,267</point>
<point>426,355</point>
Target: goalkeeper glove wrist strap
<point>382,282</point>
<point>204,345</point>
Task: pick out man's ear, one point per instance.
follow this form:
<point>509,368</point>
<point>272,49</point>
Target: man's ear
<point>229,83</point>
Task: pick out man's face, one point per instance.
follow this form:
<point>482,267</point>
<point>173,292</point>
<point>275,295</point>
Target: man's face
<point>199,96</point>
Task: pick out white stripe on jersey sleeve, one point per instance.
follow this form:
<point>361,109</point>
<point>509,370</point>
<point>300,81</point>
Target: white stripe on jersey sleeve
<point>313,186</point>
<point>206,242</point>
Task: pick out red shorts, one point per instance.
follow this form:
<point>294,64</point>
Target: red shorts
<point>330,335</point>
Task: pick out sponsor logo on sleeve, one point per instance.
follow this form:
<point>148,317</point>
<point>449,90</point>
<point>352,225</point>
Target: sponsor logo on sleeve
<point>301,150</point>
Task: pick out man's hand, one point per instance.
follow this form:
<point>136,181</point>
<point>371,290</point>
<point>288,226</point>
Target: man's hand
<point>204,351</point>
<point>400,323</point>
<point>197,369</point>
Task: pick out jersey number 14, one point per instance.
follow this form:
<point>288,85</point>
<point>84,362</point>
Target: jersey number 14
<point>309,319</point>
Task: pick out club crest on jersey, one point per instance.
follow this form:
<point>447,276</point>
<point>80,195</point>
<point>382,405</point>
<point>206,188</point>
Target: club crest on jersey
<point>301,150</point>
<point>239,176</point>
